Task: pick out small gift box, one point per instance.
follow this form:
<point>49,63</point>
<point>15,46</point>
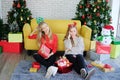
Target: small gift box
<point>36,65</point>
<point>64,66</point>
<point>107,68</point>
<point>101,57</point>
<point>115,49</point>
<point>15,37</point>
<point>102,49</point>
<point>33,70</point>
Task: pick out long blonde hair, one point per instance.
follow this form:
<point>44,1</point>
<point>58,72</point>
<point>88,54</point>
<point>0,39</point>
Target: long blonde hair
<point>40,34</point>
<point>67,34</point>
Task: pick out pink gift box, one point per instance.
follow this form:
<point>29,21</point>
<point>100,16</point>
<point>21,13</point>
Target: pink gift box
<point>102,49</point>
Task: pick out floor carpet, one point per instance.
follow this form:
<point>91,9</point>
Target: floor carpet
<point>22,73</point>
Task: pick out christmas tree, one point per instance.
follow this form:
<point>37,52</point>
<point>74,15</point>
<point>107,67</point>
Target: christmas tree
<point>19,15</point>
<point>95,14</point>
<point>4,30</point>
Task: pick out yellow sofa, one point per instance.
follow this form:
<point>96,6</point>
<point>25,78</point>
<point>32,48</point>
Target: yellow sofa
<point>58,27</point>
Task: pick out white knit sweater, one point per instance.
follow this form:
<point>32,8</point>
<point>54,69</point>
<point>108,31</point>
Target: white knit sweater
<point>77,49</point>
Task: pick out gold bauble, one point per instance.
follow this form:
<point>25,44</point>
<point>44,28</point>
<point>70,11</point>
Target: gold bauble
<point>95,9</point>
<point>21,18</point>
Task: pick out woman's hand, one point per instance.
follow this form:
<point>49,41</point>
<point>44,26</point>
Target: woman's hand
<point>69,36</point>
<point>50,55</point>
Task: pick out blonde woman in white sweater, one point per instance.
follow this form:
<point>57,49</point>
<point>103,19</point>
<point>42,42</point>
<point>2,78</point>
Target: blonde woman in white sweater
<point>74,47</point>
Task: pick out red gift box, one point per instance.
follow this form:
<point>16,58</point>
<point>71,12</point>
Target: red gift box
<point>44,51</point>
<point>11,47</point>
<point>102,49</point>
<point>64,66</point>
<point>36,65</point>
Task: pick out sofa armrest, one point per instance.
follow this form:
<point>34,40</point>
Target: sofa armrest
<point>85,32</point>
<point>26,30</point>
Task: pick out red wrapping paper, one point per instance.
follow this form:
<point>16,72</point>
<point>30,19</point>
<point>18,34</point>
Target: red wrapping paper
<point>64,66</point>
<point>36,65</point>
<point>102,49</point>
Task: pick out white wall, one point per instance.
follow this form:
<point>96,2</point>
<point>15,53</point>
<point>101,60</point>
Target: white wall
<point>0,10</point>
<point>115,14</point>
<point>50,9</point>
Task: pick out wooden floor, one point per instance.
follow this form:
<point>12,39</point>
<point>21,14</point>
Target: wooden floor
<point>8,62</point>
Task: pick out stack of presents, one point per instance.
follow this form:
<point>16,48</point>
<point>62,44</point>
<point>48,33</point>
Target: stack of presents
<point>14,44</point>
<point>104,48</point>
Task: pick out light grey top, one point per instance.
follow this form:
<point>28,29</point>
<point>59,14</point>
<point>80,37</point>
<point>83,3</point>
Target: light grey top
<point>77,49</point>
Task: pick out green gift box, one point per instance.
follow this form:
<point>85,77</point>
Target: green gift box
<point>15,37</point>
<point>117,42</point>
<point>0,49</point>
<point>115,50</point>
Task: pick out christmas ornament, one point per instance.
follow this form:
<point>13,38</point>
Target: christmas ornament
<point>99,1</point>
<point>28,18</point>
<point>107,1</point>
<point>102,16</point>
<point>98,7</point>
<point>95,22</point>
<point>80,6</point>
<point>21,18</point>
<point>84,23</point>
<point>86,9</point>
<point>18,5</point>
<point>95,9</point>
<point>102,24</point>
<point>98,14</point>
<point>21,10</point>
<point>106,37</point>
<point>80,14</point>
<point>89,22</point>
<point>83,16</point>
<point>88,5</point>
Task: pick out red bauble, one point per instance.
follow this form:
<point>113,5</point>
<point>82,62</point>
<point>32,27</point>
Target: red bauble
<point>107,1</point>
<point>80,6</point>
<point>88,5</point>
<point>98,14</point>
<point>98,7</point>
<point>90,16</point>
<point>83,16</point>
<point>18,5</point>
<point>84,23</point>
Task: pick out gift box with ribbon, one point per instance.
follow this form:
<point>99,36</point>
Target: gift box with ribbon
<point>36,65</point>
<point>63,64</point>
<point>102,49</point>
<point>115,49</point>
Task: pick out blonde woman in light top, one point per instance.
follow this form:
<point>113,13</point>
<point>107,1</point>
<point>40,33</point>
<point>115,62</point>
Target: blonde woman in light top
<point>74,47</point>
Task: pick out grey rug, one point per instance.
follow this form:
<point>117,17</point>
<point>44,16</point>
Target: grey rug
<point>22,73</point>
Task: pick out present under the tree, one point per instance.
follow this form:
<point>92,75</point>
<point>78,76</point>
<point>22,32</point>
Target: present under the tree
<point>102,49</point>
<point>11,47</point>
<point>101,57</point>
<point>15,37</point>
<point>36,65</point>
<point>93,45</point>
<point>115,49</point>
<point>0,49</point>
